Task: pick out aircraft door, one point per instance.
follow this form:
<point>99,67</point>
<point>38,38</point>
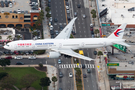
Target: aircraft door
<point>60,45</point>
<point>82,45</point>
<point>33,46</point>
<point>15,46</point>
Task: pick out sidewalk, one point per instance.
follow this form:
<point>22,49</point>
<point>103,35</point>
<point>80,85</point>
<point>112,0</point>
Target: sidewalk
<point>103,81</point>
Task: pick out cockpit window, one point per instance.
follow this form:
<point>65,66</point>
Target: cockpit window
<point>7,45</point>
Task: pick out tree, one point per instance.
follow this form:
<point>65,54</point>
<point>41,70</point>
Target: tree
<point>40,65</point>
<point>99,54</point>
<point>96,32</point>
<point>9,37</point>
<point>28,79</point>
<point>18,37</point>
<point>4,62</point>
<point>78,74</point>
<point>47,9</point>
<point>48,15</point>
<point>54,79</point>
<point>93,11</point>
<point>94,16</point>
<point>3,74</point>
<point>44,82</point>
<point>7,82</point>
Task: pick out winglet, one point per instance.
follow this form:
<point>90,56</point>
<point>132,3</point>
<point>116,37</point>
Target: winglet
<point>65,33</point>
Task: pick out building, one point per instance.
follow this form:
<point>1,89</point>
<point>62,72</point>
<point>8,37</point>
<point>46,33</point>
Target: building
<point>19,13</point>
<point>116,12</point>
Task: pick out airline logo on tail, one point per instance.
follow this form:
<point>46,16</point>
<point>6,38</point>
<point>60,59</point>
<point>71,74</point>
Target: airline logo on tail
<point>117,32</point>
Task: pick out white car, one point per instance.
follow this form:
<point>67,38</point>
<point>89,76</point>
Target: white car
<point>18,57</point>
<point>51,27</point>
<point>32,57</point>
<point>84,16</point>
<point>68,11</point>
<point>70,75</point>
<point>67,7</point>
<point>50,19</point>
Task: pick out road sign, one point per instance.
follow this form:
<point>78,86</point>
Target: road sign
<point>120,47</point>
<point>112,64</point>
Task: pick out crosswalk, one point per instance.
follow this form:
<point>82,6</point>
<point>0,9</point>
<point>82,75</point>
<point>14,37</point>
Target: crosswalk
<point>60,24</point>
<point>76,66</point>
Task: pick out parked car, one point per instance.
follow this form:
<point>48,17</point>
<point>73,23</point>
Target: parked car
<point>67,7</point>
<point>50,19</point>
<point>49,4</point>
<point>60,27</point>
<point>91,28</point>
<point>32,57</point>
<point>68,11</point>
<point>60,75</point>
<point>73,32</point>
<point>88,70</point>
<point>9,57</point>
<point>56,32</point>
<point>70,75</point>
<point>91,25</point>
<point>60,88</point>
<point>19,63</point>
<point>51,27</point>
<point>51,32</point>
<point>68,17</point>
<point>67,4</point>
<point>18,57</point>
<point>59,61</point>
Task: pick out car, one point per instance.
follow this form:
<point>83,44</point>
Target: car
<point>68,17</point>
<point>95,52</point>
<point>92,33</point>
<point>49,4</point>
<point>83,66</point>
<point>60,75</point>
<point>56,32</point>
<point>67,7</point>
<point>91,25</point>
<point>55,20</point>
<point>78,5</point>
<point>59,61</point>
<point>70,75</point>
<point>18,57</point>
<point>50,12</point>
<point>60,88</point>
<point>32,57</point>
<point>75,14</point>
<point>52,36</point>
<point>84,16</point>
<point>49,1</point>
<point>51,32</point>
<point>84,75</point>
<point>91,28</point>
<point>88,70</point>
<point>51,27</point>
<point>50,23</point>
<point>68,11</point>
<point>19,63</point>
<point>60,27</point>
<point>67,4</point>
<point>50,19</point>
<point>9,57</point>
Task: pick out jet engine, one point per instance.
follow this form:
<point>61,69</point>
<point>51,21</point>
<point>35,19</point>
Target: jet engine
<point>54,55</point>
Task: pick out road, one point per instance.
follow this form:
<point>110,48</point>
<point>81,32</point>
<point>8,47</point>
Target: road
<point>83,31</point>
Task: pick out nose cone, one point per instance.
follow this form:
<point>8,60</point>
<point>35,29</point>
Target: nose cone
<point>5,46</point>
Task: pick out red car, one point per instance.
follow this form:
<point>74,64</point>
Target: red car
<point>91,28</point>
<point>9,57</point>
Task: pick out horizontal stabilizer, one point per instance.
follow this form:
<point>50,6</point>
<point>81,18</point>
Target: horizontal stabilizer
<point>72,53</point>
<point>122,43</point>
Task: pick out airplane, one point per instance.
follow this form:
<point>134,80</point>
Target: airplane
<point>63,44</point>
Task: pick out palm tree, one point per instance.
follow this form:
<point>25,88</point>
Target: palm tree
<point>96,31</point>
<point>54,79</point>
<point>18,37</point>
<point>10,37</point>
<point>99,54</point>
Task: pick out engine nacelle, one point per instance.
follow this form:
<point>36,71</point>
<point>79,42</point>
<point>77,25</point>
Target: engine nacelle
<point>54,55</point>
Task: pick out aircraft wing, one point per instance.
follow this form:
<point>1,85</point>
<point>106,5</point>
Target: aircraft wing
<point>122,43</point>
<point>72,53</point>
<point>65,33</point>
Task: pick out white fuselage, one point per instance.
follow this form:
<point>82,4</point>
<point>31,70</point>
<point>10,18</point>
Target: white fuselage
<point>60,43</point>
